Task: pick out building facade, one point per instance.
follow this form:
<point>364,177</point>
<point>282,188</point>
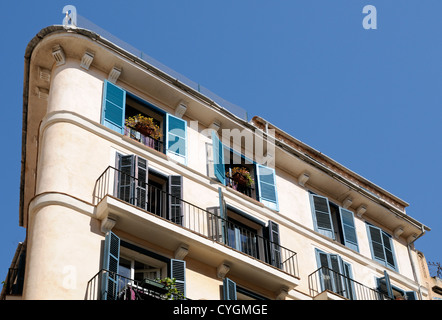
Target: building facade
<point>229,208</point>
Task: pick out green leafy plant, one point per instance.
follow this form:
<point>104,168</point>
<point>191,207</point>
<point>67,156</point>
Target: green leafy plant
<point>172,291</point>
<point>144,125</point>
<point>240,175</point>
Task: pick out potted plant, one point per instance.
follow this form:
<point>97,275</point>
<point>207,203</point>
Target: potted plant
<point>144,125</point>
<point>241,176</point>
<point>172,292</point>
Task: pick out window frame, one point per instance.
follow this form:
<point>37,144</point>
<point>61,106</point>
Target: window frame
<point>383,234</point>
<point>219,151</point>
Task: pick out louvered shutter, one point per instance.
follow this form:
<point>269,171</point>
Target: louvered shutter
<point>178,272</point>
<point>132,179</point>
<point>338,280</point>
<point>267,187</point>
<point>381,246</point>
<point>176,138</point>
<point>114,107</point>
<point>141,186</point>
<point>175,195</point>
<point>111,259</point>
<point>218,158</point>
<point>389,257</point>
<point>325,273</point>
<point>377,246</point>
<point>223,216</point>
<point>125,178</point>
<point>229,289</point>
<point>322,216</point>
<point>275,248</point>
<point>384,285</point>
<point>349,230</point>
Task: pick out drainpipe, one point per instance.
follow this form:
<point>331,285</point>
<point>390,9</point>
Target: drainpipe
<point>412,263</point>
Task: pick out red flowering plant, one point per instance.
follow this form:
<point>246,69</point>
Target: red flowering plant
<point>240,175</point>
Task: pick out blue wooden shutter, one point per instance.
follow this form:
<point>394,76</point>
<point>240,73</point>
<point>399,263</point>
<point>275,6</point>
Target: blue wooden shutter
<point>176,138</point>
<point>175,195</point>
<point>229,289</point>
<point>377,246</point>
<point>410,295</point>
<point>178,272</point>
<point>348,229</point>
<point>223,216</point>
<point>132,180</point>
<point>388,249</point>
<point>125,178</point>
<point>141,187</point>
<point>322,216</point>
<point>114,107</point>
<point>275,248</point>
<point>218,158</point>
<point>384,285</point>
<point>267,187</point>
<point>381,246</point>
<point>111,259</point>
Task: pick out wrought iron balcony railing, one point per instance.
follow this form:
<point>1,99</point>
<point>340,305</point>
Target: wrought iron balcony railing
<point>325,279</point>
<point>152,200</point>
<point>146,140</point>
<point>107,285</point>
<point>248,191</point>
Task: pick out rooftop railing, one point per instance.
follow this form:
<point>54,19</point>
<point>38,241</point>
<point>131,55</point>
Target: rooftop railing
<point>153,200</point>
<point>236,110</point>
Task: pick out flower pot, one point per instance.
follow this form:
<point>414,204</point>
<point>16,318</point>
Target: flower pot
<point>240,179</point>
<point>147,131</point>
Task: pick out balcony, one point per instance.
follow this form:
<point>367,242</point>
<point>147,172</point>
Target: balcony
<point>151,213</point>
<point>326,284</point>
<point>144,139</point>
<point>246,190</point>
<point>13,285</point>
<point>107,285</point>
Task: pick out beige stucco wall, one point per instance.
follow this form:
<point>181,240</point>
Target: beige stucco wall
<point>64,252</point>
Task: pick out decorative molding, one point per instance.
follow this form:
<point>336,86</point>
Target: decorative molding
<point>59,55</point>
<point>347,202</point>
<point>180,109</point>
<point>215,125</point>
<point>114,74</point>
<point>86,60</point>
<point>107,224</point>
<point>42,93</point>
<point>398,231</point>
<point>182,251</point>
<point>44,74</point>
<point>361,210</point>
<point>283,293</point>
<point>222,270</point>
<point>303,178</point>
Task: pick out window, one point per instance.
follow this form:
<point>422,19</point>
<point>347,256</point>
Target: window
<point>333,221</point>
<point>381,246</point>
<point>149,189</point>
<point>130,265</point>
<point>245,233</point>
<point>263,187</point>
<point>119,105</point>
<point>385,287</point>
<point>231,291</point>
<point>335,274</point>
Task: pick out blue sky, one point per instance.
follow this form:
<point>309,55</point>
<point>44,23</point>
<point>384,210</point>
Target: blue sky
<point>369,99</point>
